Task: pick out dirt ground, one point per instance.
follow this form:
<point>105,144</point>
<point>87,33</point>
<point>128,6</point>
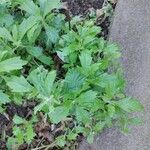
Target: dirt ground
<point>81,7</point>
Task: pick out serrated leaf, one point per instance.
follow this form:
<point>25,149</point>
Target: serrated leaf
<point>19,84</point>
<point>30,134</point>
<point>33,33</point>
<point>51,76</point>
<point>30,7</point>
<point>111,110</point>
<point>45,60</point>
<point>85,59</point>
<point>37,78</point>
<point>112,51</point>
<point>18,120</point>
<point>82,115</point>
<point>37,52</point>
<point>41,106</point>
<point>6,19</point>
<point>5,34</point>
<point>42,80</point>
<point>47,5</point>
<point>60,141</point>
<point>129,105</point>
<point>135,121</point>
<point>72,136</point>
<point>111,83</point>
<point>74,80</point>
<point>3,54</point>
<point>87,97</point>
<point>90,138</point>
<point>12,64</point>
<point>99,126</point>
<point>59,114</point>
<point>18,134</point>
<point>15,32</point>
<point>4,98</point>
<point>52,34</point>
<point>26,25</point>
<point>12,143</point>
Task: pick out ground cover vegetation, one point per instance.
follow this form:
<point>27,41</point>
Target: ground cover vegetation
<point>61,67</point>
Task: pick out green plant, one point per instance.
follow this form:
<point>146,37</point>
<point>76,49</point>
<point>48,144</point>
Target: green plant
<point>65,69</point>
<point>22,132</point>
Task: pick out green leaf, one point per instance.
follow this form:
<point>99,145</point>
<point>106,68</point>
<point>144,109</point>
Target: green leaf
<point>60,141</point>
<point>34,33</point>
<point>3,54</point>
<point>29,133</point>
<point>112,50</point>
<point>26,25</point>
<point>18,120</point>
<point>82,115</point>
<point>47,5</point>
<point>39,107</point>
<point>5,34</point>
<point>4,98</point>
<point>72,136</point>
<point>12,143</point>
<point>45,60</point>
<point>30,7</point>
<point>59,114</point>
<point>15,32</point>
<point>111,110</point>
<point>42,80</point>
<point>52,34</point>
<point>18,134</point>
<point>85,59</point>
<point>1,109</point>
<point>37,78</point>
<point>99,126</point>
<point>90,138</point>
<point>51,76</point>
<point>129,105</point>
<point>19,84</point>
<point>112,84</point>
<point>6,19</point>
<point>12,64</point>
<point>74,80</point>
<point>37,52</point>
<point>87,97</point>
<point>135,121</point>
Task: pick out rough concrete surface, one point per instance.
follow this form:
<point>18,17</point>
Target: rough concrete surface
<point>131,29</point>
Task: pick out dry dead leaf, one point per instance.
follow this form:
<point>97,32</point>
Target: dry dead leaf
<point>43,129</point>
<point>99,13</point>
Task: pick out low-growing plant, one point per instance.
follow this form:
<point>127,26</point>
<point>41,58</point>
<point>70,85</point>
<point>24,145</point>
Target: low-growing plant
<point>23,131</point>
<point>64,67</point>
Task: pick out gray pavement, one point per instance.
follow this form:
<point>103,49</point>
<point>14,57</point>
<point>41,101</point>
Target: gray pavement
<point>131,30</point>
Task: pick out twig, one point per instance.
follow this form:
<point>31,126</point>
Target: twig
<point>40,142</point>
<point>45,146</point>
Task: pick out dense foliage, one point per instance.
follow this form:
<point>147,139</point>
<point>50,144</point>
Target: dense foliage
<point>64,66</point>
